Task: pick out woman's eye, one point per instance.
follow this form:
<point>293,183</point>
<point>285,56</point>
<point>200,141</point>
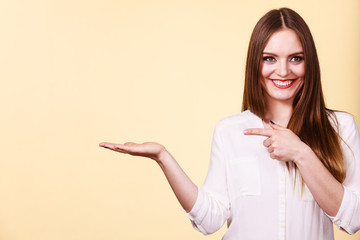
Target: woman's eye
<point>269,59</point>
<point>296,59</point>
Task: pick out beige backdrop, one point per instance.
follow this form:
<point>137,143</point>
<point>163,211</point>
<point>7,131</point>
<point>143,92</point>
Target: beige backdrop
<point>77,72</point>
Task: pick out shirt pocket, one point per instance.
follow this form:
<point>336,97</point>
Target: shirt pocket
<point>244,176</point>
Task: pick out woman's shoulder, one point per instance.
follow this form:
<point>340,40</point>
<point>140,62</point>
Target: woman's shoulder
<point>345,121</point>
<point>241,119</point>
<point>342,118</point>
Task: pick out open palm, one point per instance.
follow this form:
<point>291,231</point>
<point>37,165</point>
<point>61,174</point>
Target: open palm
<point>147,149</point>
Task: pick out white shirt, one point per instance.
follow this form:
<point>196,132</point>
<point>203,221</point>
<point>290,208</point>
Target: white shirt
<point>256,196</point>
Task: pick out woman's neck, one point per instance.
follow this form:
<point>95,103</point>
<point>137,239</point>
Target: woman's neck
<point>279,112</point>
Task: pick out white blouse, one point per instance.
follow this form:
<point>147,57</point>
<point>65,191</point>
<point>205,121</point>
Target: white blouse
<point>256,196</point>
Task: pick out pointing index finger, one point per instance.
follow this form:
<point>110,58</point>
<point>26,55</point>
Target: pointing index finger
<point>259,132</point>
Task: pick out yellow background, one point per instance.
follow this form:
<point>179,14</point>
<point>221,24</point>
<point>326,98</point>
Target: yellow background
<point>77,72</point>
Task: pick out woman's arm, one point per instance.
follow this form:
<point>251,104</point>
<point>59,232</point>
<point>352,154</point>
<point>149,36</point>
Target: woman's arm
<point>284,145</point>
<point>339,201</point>
<point>326,190</point>
<point>185,190</point>
<point>207,207</point>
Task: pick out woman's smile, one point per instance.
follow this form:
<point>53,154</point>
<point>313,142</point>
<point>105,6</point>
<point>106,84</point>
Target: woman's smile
<point>283,83</point>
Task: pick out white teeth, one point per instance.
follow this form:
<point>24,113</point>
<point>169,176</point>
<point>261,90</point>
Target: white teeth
<point>282,83</point>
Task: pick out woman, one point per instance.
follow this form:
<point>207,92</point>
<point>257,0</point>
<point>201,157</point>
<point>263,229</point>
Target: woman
<point>286,167</point>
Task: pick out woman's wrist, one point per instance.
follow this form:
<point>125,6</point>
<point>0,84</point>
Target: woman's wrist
<point>163,156</point>
<point>305,154</point>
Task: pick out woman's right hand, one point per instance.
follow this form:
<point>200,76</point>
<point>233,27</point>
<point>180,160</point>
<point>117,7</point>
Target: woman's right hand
<point>185,190</point>
<point>147,149</point>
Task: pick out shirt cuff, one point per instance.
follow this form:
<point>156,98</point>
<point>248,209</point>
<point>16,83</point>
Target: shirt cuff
<point>346,211</point>
<point>194,212</point>
<point>197,213</point>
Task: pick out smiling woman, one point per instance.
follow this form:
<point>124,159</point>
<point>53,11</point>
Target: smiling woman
<point>277,169</point>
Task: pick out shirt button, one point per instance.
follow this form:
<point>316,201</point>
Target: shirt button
<point>338,222</point>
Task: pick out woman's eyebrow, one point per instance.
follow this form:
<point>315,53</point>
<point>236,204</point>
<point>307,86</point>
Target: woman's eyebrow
<point>297,53</point>
<point>273,54</point>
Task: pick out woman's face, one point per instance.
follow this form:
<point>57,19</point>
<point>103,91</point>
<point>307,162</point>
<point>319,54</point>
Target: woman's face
<point>283,66</point>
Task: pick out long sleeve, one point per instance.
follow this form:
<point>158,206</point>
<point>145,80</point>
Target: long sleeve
<point>211,209</point>
<point>348,216</point>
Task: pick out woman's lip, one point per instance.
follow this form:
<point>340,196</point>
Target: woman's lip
<point>283,80</point>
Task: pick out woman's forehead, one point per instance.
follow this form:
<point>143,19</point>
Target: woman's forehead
<point>284,41</point>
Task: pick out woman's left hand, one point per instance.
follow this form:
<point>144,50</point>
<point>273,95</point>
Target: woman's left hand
<point>282,143</point>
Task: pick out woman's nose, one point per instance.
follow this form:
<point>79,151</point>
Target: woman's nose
<point>283,69</point>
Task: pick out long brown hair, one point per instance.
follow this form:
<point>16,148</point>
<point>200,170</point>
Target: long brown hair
<point>310,119</point>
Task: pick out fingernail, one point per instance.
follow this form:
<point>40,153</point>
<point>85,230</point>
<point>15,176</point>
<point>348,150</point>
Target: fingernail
<point>272,122</point>
<point>246,131</point>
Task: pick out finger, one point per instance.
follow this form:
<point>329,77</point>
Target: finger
<point>267,142</point>
<point>107,145</point>
<point>102,144</point>
<point>130,144</point>
<point>259,132</point>
<point>113,146</point>
<point>123,147</point>
<point>270,149</point>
